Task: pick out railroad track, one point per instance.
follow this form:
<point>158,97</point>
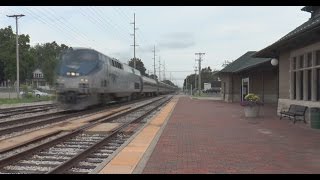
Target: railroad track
<point>79,151</point>
<point>19,126</point>
<point>8,112</point>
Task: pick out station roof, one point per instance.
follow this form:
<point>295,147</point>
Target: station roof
<point>244,62</point>
<point>305,34</point>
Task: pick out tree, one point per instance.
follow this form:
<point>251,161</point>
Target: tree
<point>169,83</point>
<point>46,58</point>
<point>152,76</point>
<point>207,75</point>
<point>8,64</point>
<point>139,65</point>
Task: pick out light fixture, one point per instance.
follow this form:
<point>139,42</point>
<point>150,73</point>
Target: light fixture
<point>274,62</point>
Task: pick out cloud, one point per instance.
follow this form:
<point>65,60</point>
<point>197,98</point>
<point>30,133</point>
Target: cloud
<point>177,40</point>
<point>176,44</point>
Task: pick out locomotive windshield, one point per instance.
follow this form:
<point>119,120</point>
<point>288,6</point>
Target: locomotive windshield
<point>78,62</point>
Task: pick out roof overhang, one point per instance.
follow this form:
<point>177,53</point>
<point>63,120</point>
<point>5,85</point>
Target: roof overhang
<point>300,40</point>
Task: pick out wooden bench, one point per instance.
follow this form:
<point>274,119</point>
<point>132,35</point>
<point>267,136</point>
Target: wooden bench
<point>295,111</point>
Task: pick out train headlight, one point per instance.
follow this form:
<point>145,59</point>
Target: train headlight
<point>68,73</point>
<point>85,80</point>
<point>73,74</point>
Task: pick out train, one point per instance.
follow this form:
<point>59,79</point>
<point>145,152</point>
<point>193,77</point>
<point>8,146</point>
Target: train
<point>86,77</point>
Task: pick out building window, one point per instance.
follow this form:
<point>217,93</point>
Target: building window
<point>318,57</point>
<point>301,61</point>
<point>302,67</point>
<point>309,59</point>
<point>294,63</point>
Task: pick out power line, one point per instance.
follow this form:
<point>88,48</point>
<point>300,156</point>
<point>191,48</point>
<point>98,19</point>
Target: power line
<point>39,18</point>
<point>67,24</point>
<point>115,26</point>
<point>68,28</point>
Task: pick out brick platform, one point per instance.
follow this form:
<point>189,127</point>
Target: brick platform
<point>204,136</point>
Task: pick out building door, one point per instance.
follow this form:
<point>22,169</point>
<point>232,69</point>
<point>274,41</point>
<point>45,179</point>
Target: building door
<point>244,88</point>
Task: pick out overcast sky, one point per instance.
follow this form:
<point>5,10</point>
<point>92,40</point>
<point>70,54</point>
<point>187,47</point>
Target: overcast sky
<point>177,32</point>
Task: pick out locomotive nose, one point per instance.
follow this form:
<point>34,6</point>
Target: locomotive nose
<point>71,97</point>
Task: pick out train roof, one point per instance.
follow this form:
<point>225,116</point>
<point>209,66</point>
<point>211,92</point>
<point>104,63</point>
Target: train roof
<point>126,67</point>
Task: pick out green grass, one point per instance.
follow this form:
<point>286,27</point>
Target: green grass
<point>25,100</point>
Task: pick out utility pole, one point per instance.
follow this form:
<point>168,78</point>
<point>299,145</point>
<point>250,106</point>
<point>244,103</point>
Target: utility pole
<point>134,40</point>
<point>159,69</point>
<point>17,50</point>
<point>195,77</point>
<point>164,70</point>
<point>199,85</point>
<point>154,61</point>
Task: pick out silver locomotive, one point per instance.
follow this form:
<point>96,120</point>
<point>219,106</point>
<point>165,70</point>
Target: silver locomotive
<point>87,77</point>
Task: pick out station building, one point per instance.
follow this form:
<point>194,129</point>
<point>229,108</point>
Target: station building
<point>294,80</point>
<point>298,54</point>
<point>248,74</point>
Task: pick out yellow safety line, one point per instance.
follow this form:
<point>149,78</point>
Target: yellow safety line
<point>128,158</point>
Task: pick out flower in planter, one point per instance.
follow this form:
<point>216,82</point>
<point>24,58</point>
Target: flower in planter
<point>251,100</point>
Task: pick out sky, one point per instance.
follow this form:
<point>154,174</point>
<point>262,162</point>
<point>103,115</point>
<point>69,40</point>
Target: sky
<point>223,33</point>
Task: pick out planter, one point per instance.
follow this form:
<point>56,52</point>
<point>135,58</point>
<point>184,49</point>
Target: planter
<point>251,111</point>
